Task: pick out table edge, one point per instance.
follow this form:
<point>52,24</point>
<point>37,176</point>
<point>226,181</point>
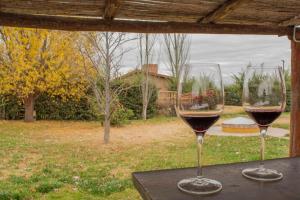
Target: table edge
<point>140,189</point>
<point>208,166</point>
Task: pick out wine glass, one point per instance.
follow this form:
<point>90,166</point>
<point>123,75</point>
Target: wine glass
<point>264,98</point>
<point>200,104</point>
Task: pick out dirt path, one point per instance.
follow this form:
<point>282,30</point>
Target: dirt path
<point>134,133</point>
<point>150,132</point>
<point>92,133</point>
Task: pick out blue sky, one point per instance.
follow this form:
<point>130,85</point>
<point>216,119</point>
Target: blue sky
<point>232,52</point>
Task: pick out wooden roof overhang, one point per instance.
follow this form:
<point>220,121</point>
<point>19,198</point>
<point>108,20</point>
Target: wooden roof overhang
<point>265,17</point>
<point>261,17</point>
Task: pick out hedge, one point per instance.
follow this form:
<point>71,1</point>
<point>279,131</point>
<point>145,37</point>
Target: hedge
<point>51,108</point>
<point>132,99</point>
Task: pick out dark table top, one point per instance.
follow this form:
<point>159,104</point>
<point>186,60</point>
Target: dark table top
<point>162,184</point>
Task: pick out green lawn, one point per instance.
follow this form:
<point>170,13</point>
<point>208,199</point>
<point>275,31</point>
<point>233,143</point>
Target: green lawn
<point>34,166</point>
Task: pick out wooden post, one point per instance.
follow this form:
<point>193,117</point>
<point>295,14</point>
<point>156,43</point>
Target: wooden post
<point>295,109</point>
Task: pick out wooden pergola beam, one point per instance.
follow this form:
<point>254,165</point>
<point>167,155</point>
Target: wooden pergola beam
<point>96,24</point>
<point>293,21</point>
<point>111,8</point>
<point>222,11</point>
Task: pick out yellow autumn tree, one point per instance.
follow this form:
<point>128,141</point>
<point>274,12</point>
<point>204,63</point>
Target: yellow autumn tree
<point>36,61</point>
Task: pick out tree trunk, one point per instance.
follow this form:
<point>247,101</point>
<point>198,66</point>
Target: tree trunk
<point>107,114</point>
<point>106,130</point>
<point>146,80</point>
<point>145,94</point>
<point>29,108</point>
<point>144,113</point>
<point>107,92</point>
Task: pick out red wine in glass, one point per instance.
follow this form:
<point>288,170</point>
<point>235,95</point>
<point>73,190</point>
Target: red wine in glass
<point>264,117</point>
<point>200,123</point>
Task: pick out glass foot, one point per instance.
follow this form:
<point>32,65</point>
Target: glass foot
<point>262,174</point>
<point>199,186</point>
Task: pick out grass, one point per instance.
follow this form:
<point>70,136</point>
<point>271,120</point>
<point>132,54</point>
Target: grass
<point>283,121</point>
<point>39,163</point>
<point>157,119</point>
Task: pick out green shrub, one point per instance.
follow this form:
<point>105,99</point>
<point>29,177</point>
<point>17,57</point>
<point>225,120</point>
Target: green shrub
<point>121,115</point>
<point>233,92</point>
<point>55,108</point>
<point>287,75</point>
<point>288,100</point>
<point>132,99</point>
<point>51,108</point>
<point>11,108</point>
<point>212,98</point>
<point>233,95</point>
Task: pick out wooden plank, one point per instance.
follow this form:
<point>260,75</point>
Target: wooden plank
<point>223,10</point>
<point>295,109</point>
<point>90,8</point>
<point>162,184</point>
<point>293,21</point>
<point>111,8</point>
<point>95,24</point>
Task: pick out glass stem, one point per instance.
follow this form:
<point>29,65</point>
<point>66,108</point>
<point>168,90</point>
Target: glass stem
<point>199,154</point>
<point>263,133</point>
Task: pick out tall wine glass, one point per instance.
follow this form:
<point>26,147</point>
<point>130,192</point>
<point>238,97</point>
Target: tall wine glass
<point>200,103</point>
<point>264,98</point>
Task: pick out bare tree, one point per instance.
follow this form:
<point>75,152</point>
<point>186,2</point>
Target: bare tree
<point>146,54</point>
<point>177,47</point>
<point>103,52</point>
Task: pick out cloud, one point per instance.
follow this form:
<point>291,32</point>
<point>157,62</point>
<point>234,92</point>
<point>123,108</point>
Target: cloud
<point>232,52</point>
